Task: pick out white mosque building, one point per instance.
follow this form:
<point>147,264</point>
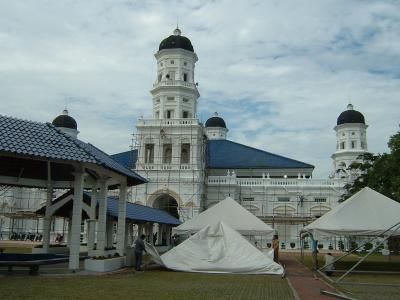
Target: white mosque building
<point>190,166</point>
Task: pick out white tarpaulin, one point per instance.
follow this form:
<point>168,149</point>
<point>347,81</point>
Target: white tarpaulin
<point>365,213</point>
<point>231,213</point>
<point>217,249</point>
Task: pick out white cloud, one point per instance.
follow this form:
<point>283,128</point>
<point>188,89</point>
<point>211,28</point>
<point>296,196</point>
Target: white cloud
<point>288,66</point>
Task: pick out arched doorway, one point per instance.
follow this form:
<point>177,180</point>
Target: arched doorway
<point>167,203</point>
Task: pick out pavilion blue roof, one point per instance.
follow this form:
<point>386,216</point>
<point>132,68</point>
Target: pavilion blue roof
<point>44,141</point>
<point>141,213</point>
<point>108,161</point>
<point>225,154</point>
<point>41,140</point>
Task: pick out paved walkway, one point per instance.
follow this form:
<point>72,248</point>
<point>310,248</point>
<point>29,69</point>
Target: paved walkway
<point>303,281</point>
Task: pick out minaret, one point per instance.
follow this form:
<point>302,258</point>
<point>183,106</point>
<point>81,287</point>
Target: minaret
<point>351,138</point>
<point>175,92</point>
<point>66,124</point>
<point>215,128</point>
<point>171,144</point>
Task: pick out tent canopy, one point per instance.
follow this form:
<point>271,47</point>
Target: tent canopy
<point>365,213</point>
<point>217,249</point>
<point>231,213</point>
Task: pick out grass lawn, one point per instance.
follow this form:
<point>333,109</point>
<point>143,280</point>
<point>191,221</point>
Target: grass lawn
<point>147,285</point>
<point>17,249</point>
<point>375,262</point>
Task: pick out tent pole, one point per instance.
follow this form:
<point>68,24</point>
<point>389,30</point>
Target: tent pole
<point>366,256</point>
<point>350,252</point>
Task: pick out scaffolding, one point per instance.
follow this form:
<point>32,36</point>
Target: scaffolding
<point>184,188</point>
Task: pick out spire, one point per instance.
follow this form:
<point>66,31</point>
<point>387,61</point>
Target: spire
<point>177,31</point>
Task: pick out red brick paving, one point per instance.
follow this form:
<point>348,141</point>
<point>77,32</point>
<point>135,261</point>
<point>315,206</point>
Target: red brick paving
<point>303,281</point>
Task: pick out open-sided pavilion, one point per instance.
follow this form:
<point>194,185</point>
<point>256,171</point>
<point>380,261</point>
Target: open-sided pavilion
<point>39,155</point>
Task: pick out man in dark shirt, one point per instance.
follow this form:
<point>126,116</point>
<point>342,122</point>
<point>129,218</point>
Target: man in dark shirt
<point>139,248</point>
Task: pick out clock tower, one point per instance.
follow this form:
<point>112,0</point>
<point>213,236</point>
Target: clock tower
<point>171,144</point>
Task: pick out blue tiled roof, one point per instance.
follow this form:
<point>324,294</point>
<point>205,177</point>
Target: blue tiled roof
<point>39,139</point>
<point>108,161</point>
<point>43,140</point>
<point>127,158</point>
<point>225,154</point>
<point>141,213</point>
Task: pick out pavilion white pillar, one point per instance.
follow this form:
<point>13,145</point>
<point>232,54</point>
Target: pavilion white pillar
<point>121,219</point>
<point>110,233</point>
<point>128,234</point>
<point>92,221</point>
<point>69,231</point>
<point>47,216</point>
<point>76,221</point>
<point>102,221</point>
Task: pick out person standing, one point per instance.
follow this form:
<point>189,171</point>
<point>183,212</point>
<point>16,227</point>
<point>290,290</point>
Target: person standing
<point>139,248</point>
<point>329,264</point>
<point>275,246</point>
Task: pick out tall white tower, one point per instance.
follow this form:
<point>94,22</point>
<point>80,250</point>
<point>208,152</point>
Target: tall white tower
<point>174,92</point>
<point>351,138</point>
<point>171,143</point>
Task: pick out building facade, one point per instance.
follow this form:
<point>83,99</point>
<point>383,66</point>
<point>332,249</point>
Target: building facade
<point>191,166</point>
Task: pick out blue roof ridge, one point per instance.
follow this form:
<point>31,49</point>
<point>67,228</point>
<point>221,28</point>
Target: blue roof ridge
<point>21,119</point>
<point>70,138</point>
<point>263,151</point>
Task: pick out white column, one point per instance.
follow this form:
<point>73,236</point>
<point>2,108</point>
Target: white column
<point>92,221</point>
<point>76,221</point>
<point>47,216</point>
<point>69,231</point>
<point>110,233</point>
<point>102,222</point>
<point>91,234</point>
<point>121,219</point>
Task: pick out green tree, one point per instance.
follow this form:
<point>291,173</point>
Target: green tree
<point>380,172</point>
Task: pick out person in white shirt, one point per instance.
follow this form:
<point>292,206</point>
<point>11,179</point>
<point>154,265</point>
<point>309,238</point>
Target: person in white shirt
<point>329,266</point>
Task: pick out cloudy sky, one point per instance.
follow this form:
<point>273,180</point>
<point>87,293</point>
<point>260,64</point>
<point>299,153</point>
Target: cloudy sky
<point>278,72</point>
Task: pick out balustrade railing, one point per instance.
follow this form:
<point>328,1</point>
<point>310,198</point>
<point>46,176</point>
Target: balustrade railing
<point>289,182</point>
<point>168,122</point>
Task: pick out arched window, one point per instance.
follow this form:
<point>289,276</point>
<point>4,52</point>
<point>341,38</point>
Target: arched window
<point>185,153</point>
<point>167,153</point>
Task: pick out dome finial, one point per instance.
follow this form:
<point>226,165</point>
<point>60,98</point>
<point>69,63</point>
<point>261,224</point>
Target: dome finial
<point>65,111</point>
<point>177,31</point>
<point>350,106</point>
<point>215,114</point>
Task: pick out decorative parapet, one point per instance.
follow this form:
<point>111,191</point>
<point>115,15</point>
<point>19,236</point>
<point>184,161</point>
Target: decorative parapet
<point>279,182</point>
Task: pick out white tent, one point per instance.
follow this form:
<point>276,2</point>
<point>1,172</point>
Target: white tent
<point>365,213</point>
<point>217,249</point>
<point>231,213</point>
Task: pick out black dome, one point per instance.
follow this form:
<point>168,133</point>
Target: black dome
<point>65,121</point>
<point>215,121</point>
<point>350,116</point>
<point>176,41</point>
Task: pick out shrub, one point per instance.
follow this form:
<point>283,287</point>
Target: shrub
<point>292,245</point>
<point>368,246</point>
<point>269,245</point>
